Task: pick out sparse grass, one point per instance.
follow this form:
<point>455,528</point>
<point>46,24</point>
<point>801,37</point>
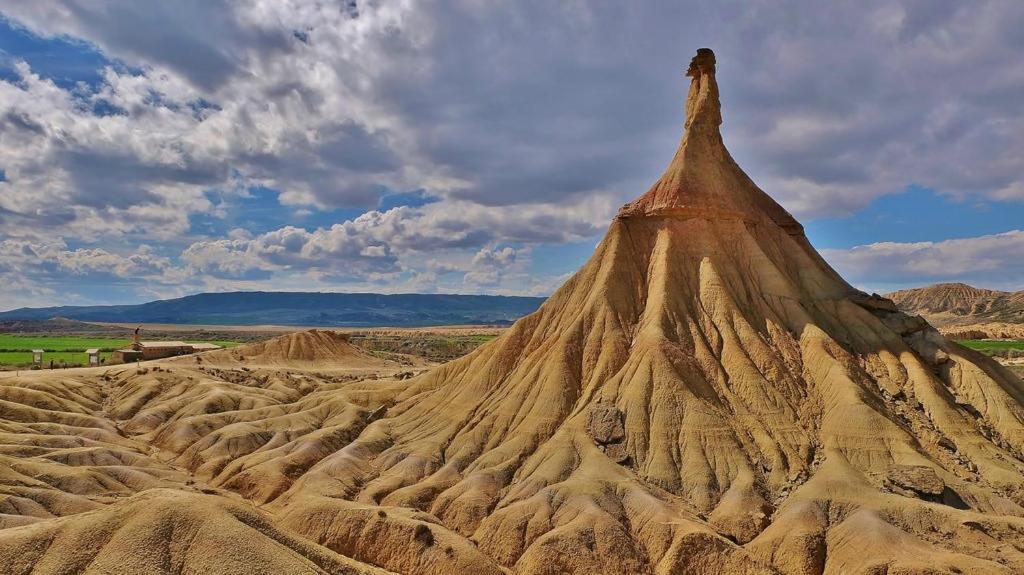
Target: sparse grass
<point>435,347</point>
<point>215,342</point>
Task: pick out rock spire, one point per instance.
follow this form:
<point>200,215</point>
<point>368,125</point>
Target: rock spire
<point>703,180</point>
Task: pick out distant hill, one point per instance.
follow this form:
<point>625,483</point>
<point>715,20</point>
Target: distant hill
<point>302,308</point>
<point>58,325</point>
<point>950,305</point>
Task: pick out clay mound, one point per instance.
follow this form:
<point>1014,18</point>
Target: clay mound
<point>957,304</point>
<point>167,531</point>
<point>705,396</point>
<point>312,348</point>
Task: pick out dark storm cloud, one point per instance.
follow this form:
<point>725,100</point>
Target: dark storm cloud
<point>199,39</point>
<point>105,179</point>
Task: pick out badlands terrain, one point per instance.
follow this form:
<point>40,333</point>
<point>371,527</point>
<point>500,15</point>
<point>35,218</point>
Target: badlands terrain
<point>706,395</point>
<point>965,311</point>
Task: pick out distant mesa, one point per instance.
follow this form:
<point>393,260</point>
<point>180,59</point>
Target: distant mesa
<point>308,309</point>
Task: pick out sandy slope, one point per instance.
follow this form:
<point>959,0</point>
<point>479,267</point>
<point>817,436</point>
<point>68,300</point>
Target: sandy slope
<point>140,470</point>
<point>168,531</point>
<point>704,396</point>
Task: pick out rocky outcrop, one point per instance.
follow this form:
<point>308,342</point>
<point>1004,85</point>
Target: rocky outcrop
<point>917,479</point>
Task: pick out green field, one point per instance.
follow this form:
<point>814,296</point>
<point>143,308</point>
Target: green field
<point>59,343</point>
<point>991,345</point>
<point>16,350</point>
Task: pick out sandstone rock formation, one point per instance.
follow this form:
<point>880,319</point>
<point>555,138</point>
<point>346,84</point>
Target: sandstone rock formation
<point>706,395</point>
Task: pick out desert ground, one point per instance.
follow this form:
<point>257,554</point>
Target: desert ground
<point>706,395</point>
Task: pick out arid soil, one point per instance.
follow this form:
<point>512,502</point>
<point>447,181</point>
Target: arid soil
<point>151,469</point>
<point>705,396</point>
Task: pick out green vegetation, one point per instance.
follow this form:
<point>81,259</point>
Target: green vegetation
<point>59,343</point>
<point>16,350</point>
<point>992,344</point>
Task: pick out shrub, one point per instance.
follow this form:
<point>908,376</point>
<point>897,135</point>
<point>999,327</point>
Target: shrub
<point>423,534</point>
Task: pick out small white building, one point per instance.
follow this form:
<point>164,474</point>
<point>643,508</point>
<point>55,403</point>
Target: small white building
<point>37,356</point>
<point>94,356</point>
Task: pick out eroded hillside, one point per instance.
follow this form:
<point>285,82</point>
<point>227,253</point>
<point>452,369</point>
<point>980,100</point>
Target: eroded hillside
<point>706,395</point>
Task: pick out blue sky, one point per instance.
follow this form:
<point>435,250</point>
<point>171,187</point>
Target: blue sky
<point>152,151</point>
<point>64,60</point>
<point>916,214</point>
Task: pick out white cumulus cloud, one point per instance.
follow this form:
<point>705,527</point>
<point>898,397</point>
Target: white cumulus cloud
<point>995,260</point>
